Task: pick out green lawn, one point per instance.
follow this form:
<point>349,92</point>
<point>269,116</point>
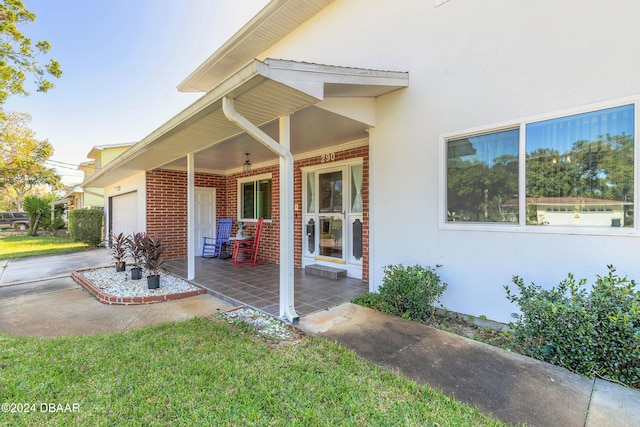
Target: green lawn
<point>200,372</point>
<point>20,246</point>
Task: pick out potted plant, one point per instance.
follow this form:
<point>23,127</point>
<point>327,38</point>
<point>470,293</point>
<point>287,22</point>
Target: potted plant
<point>119,250</point>
<point>134,248</point>
<point>152,248</point>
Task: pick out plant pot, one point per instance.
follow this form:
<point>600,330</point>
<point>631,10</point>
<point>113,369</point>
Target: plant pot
<point>153,282</point>
<point>136,273</point>
<point>121,266</point>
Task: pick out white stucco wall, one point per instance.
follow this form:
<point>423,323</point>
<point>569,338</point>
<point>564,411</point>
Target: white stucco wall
<point>474,64</point>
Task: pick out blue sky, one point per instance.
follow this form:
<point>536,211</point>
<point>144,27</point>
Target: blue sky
<point>122,61</point>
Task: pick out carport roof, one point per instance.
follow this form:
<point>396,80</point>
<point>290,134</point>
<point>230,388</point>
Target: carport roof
<point>262,92</point>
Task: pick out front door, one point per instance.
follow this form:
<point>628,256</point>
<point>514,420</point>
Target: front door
<point>204,216</point>
<point>332,216</point>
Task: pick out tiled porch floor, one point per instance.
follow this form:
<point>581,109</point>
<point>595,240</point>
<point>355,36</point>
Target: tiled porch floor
<point>259,286</point>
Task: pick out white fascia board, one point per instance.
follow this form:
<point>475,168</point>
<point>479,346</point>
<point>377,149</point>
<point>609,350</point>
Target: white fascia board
<point>298,74</point>
<point>204,105</point>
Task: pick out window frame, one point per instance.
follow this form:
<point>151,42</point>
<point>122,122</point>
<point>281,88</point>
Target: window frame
<point>521,124</point>
<point>239,201</point>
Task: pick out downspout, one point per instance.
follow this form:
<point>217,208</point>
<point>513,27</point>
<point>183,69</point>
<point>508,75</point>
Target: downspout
<point>287,309</point>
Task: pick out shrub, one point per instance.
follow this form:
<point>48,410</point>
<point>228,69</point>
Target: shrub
<point>592,333</point>
<point>37,208</point>
<point>372,300</point>
<point>57,223</point>
<point>411,291</point>
<point>85,225</point>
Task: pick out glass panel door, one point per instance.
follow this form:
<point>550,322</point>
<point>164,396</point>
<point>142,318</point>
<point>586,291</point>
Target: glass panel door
<point>331,236</point>
<point>331,215</point>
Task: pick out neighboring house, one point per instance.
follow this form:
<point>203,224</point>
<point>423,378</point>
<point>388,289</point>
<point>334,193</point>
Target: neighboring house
<point>577,211</point>
<point>100,155</point>
<point>79,197</point>
<point>394,132</point>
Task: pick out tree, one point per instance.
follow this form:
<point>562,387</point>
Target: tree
<point>22,159</point>
<point>37,208</point>
<point>608,165</point>
<point>18,54</point>
<point>550,174</point>
<point>478,191</point>
<point>601,169</point>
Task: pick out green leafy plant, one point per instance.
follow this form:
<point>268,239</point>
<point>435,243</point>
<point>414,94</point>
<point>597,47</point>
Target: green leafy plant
<point>151,248</point>
<point>372,300</point>
<point>118,247</point>
<point>134,249</point>
<point>593,333</point>
<point>409,292</point>
<point>37,208</point>
<point>85,225</point>
<point>52,226</point>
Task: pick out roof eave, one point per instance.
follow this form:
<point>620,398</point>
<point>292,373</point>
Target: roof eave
<point>263,91</point>
<point>191,113</point>
<point>274,22</point>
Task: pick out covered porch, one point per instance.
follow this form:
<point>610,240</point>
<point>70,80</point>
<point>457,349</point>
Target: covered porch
<point>304,131</point>
<point>259,286</point>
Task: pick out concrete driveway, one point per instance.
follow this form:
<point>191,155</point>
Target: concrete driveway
<point>30,269</point>
<point>38,298</point>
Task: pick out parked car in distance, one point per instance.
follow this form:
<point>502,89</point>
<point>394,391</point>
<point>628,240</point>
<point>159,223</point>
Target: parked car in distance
<point>15,220</point>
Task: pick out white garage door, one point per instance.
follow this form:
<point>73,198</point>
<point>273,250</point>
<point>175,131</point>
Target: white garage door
<point>124,213</point>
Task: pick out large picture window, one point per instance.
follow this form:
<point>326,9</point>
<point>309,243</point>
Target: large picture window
<point>255,199</point>
<point>579,172</point>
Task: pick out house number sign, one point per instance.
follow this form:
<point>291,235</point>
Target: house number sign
<point>328,157</point>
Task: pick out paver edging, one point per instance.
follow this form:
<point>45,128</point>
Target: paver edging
<point>115,300</point>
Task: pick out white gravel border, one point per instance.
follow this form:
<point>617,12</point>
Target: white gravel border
<point>264,324</point>
<point>120,284</point>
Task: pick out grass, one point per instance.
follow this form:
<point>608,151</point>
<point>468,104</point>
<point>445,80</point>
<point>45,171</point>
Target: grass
<point>21,245</point>
<point>202,372</point>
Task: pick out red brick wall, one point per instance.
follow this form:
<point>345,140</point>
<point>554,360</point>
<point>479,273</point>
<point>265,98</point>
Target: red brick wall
<point>167,206</point>
<point>167,209</point>
<point>270,238</point>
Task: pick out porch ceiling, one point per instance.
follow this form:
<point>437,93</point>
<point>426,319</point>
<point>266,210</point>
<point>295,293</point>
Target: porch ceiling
<point>311,129</point>
<point>263,91</point>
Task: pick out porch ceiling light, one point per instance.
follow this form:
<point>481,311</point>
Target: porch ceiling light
<point>246,167</point>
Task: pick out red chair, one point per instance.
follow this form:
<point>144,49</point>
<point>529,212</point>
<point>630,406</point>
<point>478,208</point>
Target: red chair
<point>245,252</point>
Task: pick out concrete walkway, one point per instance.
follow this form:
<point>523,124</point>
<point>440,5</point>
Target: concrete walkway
<point>514,388</point>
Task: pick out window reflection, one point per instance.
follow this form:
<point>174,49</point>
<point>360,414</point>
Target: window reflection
<point>579,169</point>
<point>331,192</point>
<point>482,178</point>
